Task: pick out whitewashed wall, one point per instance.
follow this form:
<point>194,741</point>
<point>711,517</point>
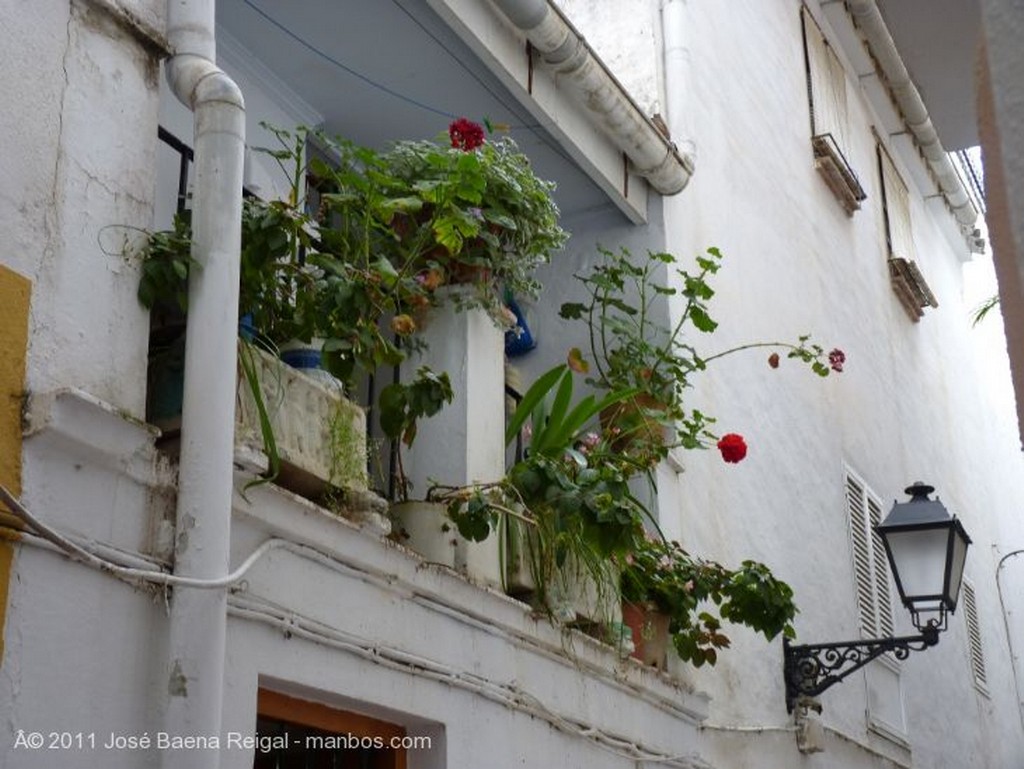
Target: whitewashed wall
<point>914,401</point>
<point>79,131</point>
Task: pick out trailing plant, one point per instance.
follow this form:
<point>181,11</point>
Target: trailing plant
<point>660,573</point>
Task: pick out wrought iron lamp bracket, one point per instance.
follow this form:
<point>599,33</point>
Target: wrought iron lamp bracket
<point>810,669</point>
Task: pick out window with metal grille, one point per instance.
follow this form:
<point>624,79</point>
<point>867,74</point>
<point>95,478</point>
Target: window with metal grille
<point>870,565</point>
<point>977,653</point>
<point>826,96</point>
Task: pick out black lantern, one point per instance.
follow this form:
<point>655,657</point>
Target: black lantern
<point>927,548</point>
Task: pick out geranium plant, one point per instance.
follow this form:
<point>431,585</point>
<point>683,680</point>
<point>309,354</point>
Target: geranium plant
<point>631,347</point>
<point>473,210</point>
<point>660,573</point>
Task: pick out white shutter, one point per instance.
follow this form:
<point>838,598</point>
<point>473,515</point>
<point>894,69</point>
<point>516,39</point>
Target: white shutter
<point>870,564</point>
<point>977,654</point>
<point>880,563</point>
<point>861,543</point>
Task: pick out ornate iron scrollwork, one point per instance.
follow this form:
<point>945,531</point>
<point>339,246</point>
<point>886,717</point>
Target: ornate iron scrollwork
<point>810,669</point>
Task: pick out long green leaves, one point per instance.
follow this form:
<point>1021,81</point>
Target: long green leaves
<point>557,424</point>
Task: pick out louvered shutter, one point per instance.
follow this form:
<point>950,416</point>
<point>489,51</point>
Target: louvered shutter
<point>862,565</point>
<point>870,564</point>
<point>880,568</point>
<point>974,635</point>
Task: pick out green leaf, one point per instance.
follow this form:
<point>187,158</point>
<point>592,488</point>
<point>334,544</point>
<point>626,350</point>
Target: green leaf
<point>534,395</point>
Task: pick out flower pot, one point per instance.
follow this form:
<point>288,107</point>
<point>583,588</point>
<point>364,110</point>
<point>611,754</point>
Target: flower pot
<point>650,633</point>
<point>573,593</point>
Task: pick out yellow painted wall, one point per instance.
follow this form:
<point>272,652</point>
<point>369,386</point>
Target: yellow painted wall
<point>15,291</point>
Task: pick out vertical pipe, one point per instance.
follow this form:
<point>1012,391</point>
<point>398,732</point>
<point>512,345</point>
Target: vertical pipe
<point>198,620</point>
<point>678,85</point>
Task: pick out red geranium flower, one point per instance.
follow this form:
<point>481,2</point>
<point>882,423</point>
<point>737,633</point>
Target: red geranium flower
<point>836,359</point>
<point>733,447</point>
<point>466,135</point>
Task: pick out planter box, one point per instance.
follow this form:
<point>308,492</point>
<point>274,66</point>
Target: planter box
<point>574,595</point>
<point>320,435</point>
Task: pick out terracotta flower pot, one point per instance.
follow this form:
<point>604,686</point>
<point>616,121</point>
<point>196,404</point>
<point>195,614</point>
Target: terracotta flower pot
<point>650,633</point>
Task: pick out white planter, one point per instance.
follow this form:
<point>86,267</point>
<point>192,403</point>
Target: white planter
<point>320,435</point>
<point>425,528</point>
<point>574,594</point>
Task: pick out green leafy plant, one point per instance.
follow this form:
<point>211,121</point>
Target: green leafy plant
<point>472,208</point>
<point>662,574</point>
<point>569,497</point>
<point>631,346</point>
<point>403,404</point>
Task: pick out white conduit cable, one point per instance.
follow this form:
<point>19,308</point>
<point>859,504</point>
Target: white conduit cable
<point>1006,629</point>
<point>80,553</point>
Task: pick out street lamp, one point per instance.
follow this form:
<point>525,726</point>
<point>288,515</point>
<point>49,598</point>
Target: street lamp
<point>927,548</point>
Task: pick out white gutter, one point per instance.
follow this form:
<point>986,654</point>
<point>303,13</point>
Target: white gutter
<point>869,21</point>
<point>586,79</point>
<point>198,618</point>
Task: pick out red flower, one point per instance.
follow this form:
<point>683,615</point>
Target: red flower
<point>733,447</point>
<point>773,360</point>
<point>466,135</point>
<point>836,359</point>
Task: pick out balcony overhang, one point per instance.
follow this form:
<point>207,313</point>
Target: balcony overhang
<point>379,72</point>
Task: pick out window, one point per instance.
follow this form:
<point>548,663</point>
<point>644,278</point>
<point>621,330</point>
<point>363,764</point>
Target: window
<point>977,654</point>
<point>907,280</point>
<point>870,564</point>
<point>826,94</point>
<point>884,705</point>
<point>299,734</point>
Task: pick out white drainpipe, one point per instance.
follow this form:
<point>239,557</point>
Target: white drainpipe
<point>194,678</point>
<point>869,20</point>
<point>678,81</point>
<point>594,88</point>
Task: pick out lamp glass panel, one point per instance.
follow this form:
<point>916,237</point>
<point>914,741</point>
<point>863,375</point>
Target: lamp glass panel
<point>956,572</point>
<point>919,558</point>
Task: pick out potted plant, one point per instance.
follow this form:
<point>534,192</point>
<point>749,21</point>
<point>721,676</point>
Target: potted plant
<point>668,590</point>
<point>474,212</point>
<point>565,508</point>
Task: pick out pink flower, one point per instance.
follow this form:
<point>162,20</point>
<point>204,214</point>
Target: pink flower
<point>733,447</point>
<point>465,134</point>
<point>836,359</point>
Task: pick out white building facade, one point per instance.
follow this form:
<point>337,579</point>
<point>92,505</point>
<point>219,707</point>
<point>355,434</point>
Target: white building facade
<point>323,623</point>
